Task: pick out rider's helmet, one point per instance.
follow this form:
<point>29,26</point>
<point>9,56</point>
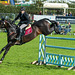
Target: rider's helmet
<point>22,9</point>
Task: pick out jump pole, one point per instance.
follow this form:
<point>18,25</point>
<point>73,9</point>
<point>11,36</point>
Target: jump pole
<point>56,59</point>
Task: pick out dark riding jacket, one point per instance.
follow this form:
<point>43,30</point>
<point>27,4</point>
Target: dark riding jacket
<point>24,18</point>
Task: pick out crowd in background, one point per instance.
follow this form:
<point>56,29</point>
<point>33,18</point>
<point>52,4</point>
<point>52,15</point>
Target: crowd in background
<point>70,14</point>
<point>64,29</point>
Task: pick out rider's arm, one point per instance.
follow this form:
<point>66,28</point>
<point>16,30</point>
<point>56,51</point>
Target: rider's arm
<point>27,17</point>
<point>17,17</point>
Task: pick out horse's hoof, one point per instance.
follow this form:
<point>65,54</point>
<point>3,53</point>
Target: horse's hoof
<point>0,62</point>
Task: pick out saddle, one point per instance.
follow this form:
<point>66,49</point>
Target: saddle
<point>23,31</point>
<point>26,29</point>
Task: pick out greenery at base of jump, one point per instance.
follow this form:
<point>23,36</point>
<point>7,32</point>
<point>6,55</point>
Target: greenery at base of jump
<point>31,9</point>
<point>18,59</point>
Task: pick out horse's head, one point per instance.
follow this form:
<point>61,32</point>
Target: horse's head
<point>7,25</point>
<point>56,29</point>
<point>3,23</point>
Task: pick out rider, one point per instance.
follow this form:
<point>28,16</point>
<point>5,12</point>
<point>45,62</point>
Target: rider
<point>24,20</point>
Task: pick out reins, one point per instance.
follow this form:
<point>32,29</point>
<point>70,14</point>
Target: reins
<point>11,33</point>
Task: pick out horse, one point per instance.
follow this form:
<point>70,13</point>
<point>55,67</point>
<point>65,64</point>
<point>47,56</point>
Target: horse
<point>43,26</point>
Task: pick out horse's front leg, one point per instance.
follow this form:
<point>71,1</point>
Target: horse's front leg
<point>2,50</point>
<point>7,47</point>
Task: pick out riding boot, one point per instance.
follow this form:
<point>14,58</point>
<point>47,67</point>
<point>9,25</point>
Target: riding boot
<point>20,35</point>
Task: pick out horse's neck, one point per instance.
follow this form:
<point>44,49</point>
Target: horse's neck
<point>10,27</point>
<point>7,27</point>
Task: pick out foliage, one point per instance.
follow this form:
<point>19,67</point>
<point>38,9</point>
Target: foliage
<point>8,9</point>
<point>72,6</point>
<point>33,8</point>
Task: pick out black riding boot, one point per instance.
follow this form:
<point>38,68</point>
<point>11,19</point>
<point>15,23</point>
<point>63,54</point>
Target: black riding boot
<point>20,35</point>
<point>22,32</point>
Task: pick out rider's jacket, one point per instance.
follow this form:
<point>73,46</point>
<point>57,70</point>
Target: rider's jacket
<point>24,18</point>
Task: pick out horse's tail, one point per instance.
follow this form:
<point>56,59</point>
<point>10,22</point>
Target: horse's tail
<point>52,21</point>
<point>38,23</point>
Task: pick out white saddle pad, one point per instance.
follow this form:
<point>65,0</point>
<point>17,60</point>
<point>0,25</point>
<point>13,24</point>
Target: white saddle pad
<point>22,26</point>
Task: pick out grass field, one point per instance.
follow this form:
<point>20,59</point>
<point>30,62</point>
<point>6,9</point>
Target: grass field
<point>19,58</point>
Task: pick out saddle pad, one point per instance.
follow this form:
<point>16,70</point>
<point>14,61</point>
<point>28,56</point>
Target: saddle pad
<point>28,31</point>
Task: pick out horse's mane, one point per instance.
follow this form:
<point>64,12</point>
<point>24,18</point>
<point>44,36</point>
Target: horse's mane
<point>52,21</point>
<point>10,23</point>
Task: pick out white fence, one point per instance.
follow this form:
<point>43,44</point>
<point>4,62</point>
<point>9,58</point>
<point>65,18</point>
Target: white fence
<point>38,17</point>
<point>61,19</point>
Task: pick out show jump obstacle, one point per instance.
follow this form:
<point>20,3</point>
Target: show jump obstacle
<point>56,59</point>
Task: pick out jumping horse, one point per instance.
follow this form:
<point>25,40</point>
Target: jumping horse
<point>43,26</point>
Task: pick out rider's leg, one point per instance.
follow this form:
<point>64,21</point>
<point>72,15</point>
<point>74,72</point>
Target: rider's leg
<point>22,27</point>
<point>18,37</point>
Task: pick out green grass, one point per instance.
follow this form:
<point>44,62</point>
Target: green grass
<point>18,59</point>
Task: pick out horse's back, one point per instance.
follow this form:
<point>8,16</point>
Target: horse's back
<point>40,23</point>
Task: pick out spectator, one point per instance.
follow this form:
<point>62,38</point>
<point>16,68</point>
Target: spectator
<point>63,28</point>
<point>40,13</point>
<point>68,29</point>
<point>70,14</point>
<point>59,26</point>
<point>66,14</point>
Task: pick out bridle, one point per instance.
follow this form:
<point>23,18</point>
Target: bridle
<point>3,25</point>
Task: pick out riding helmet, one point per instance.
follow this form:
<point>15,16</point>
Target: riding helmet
<point>22,8</point>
